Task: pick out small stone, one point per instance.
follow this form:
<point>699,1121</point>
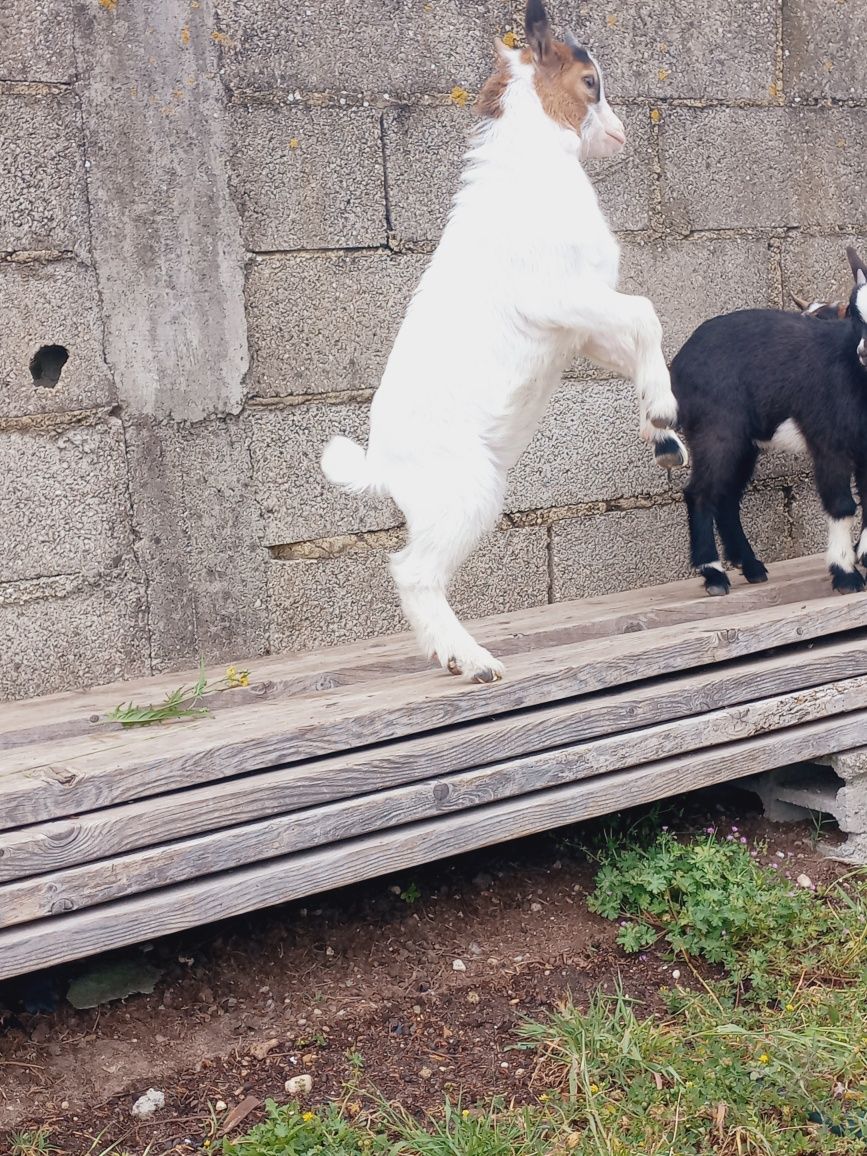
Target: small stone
<point>64,1105</point>
<point>425,1073</point>
<point>535,906</point>
<point>805,881</point>
<point>458,965</point>
<point>261,1050</point>
<point>300,1085</point>
<point>220,1106</point>
<point>675,974</point>
<point>148,1104</point>
<point>472,997</point>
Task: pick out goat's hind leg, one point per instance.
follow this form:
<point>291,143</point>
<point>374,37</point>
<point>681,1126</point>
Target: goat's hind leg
<point>704,556</point>
<point>440,540</point>
<point>736,544</point>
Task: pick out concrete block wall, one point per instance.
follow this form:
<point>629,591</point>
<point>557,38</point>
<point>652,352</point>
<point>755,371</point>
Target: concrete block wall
<point>220,209</point>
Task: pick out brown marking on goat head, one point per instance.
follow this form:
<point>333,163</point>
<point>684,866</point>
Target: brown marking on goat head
<point>565,76</point>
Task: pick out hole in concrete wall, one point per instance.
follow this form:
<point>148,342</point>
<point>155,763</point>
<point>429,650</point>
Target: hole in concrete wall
<point>47,364</point>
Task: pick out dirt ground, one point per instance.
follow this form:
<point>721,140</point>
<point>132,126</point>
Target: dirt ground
<point>413,984</point>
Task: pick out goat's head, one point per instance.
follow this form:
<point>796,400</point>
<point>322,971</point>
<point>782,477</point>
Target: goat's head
<point>568,82</point>
<point>858,302</point>
<point>822,310</point>
<point>570,86</point>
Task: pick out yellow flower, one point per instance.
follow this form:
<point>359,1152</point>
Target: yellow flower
<point>790,1007</point>
<point>244,678</point>
<point>764,1058</point>
<point>465,1113</point>
<point>307,1117</point>
<point>544,1097</point>
<point>231,673</point>
<point>594,1088</point>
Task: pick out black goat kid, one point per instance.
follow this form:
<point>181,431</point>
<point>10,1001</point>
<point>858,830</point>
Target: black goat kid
<point>760,378</point>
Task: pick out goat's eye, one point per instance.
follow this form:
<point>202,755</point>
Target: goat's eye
<point>590,81</point>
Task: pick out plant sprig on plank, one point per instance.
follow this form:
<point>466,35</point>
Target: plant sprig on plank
<point>181,703</point>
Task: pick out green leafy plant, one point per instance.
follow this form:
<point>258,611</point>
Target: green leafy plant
<point>710,899</point>
<point>289,1131</point>
<point>411,894</point>
<point>181,703</point>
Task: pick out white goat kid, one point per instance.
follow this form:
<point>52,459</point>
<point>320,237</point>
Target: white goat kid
<point>522,280</point>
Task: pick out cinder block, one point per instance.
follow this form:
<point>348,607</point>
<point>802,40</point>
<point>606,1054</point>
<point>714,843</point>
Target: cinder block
<point>296,501</point>
<point>692,280</point>
<point>352,596</point>
<point>54,303</point>
<point>41,173</point>
<point>399,48</point>
<point>424,152</point>
<point>36,40</point>
<point>199,538</point>
<point>727,168</point>
<point>587,449</point>
<point>816,267</point>
<point>629,549</point>
<point>809,521</point>
<point>64,505</point>
<point>307,178</point>
<point>71,635</point>
<point>321,323</point>
<point>620,550</point>
<point>663,48</point>
<point>823,48</point>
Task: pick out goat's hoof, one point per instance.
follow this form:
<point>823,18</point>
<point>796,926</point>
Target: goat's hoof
<point>846,581</point>
<point>754,571</point>
<point>452,666</point>
<point>670,453</point>
<point>716,582</point>
<point>487,675</point>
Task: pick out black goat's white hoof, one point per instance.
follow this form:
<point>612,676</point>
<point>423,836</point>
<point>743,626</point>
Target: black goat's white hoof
<point>846,581</point>
<point>670,453</point>
<point>716,581</point>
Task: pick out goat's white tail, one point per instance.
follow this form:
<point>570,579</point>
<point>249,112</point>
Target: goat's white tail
<point>344,463</point>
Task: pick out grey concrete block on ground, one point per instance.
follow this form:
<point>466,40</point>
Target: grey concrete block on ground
<point>352,596</point>
<point>692,280</point>
<point>587,449</point>
<point>199,539</point>
<point>727,168</point>
<point>297,502</point>
<point>51,304</point>
<point>670,48</point>
<point>823,42</point>
<point>307,178</point>
<point>41,172</point>
<point>64,506</point>
<point>628,549</point>
<point>36,41</point>
<point>400,48</point>
<point>816,267</point>
<point>70,636</point>
<point>322,323</point>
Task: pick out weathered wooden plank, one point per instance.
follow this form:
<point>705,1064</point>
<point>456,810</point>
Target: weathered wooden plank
<point>36,784</point>
<point>287,676</point>
<point>108,879</point>
<point>173,909</point>
<point>111,831</point>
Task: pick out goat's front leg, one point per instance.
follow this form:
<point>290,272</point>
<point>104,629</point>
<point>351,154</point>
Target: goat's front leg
<point>622,333</point>
<point>834,483</point>
<point>861,484</point>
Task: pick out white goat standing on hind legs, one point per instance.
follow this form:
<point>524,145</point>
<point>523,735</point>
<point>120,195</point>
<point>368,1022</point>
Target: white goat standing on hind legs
<point>523,280</point>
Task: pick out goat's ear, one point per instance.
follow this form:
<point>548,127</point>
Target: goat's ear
<point>801,302</point>
<point>538,29</point>
<point>859,269</point>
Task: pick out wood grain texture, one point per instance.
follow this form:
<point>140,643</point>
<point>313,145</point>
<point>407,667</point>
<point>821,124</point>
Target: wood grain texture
<point>115,830</point>
<point>285,676</point>
<point>169,863</point>
<point>172,909</point>
<point>53,780</point>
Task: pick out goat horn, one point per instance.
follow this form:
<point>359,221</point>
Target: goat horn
<point>800,302</point>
